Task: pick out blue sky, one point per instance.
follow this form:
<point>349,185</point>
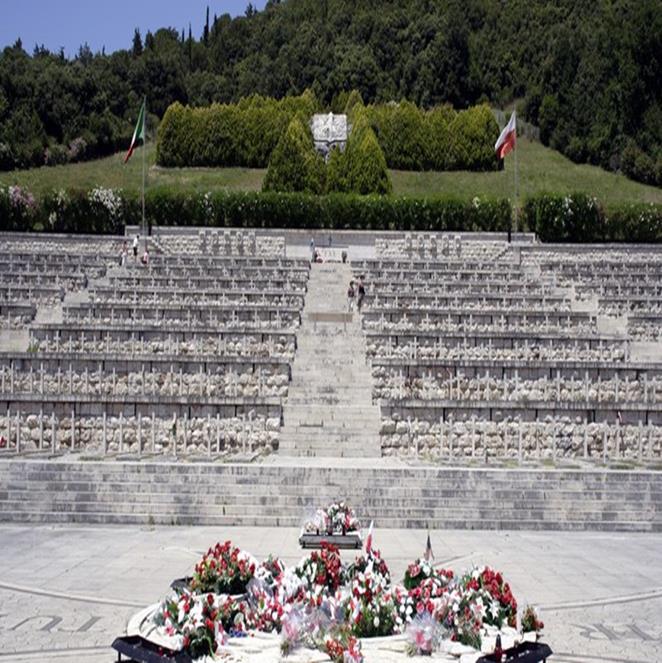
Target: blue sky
<point>109,23</point>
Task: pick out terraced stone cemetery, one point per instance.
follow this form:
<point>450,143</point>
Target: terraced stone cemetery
<point>482,383</point>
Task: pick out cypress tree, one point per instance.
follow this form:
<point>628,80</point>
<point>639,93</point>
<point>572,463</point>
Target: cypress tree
<point>294,165</point>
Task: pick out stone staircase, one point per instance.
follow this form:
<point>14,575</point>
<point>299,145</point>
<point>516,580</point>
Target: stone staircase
<point>73,491</point>
<point>329,409</point>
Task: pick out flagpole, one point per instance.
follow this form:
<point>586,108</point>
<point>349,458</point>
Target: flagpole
<point>144,227</point>
<point>516,181</point>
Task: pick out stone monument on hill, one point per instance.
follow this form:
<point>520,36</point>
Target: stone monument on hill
<point>329,131</point>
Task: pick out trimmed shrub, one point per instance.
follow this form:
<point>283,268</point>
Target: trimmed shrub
<point>369,172</point>
<point>243,134</point>
<point>438,139</point>
<point>556,218</point>
<point>634,222</point>
<point>354,99</point>
<point>294,164</point>
<point>473,134</point>
<point>361,168</point>
<point>81,211</point>
<point>573,218</point>
<point>580,218</point>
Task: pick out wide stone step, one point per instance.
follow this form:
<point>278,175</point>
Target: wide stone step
<point>163,471</point>
<point>265,521</point>
<point>297,511</point>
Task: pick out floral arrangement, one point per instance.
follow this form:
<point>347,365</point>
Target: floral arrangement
<point>196,622</point>
<point>224,569</point>
<point>322,605</point>
<point>321,571</point>
<point>344,650</point>
<point>424,635</point>
<point>336,518</point>
<point>531,621</point>
<point>502,604</point>
<point>422,570</point>
<point>370,609</point>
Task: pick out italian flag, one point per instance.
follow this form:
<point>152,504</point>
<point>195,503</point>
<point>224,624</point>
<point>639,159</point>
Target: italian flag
<point>507,138</point>
<point>138,132</point>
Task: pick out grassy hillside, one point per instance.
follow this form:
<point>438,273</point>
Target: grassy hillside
<point>540,169</point>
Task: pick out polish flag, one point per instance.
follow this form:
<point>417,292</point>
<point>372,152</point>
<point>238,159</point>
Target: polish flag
<point>507,138</point>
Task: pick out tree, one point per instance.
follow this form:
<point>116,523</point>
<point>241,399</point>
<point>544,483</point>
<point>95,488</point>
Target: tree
<point>137,49</point>
<point>369,173</point>
<point>205,32</point>
<point>294,165</point>
<point>353,100</point>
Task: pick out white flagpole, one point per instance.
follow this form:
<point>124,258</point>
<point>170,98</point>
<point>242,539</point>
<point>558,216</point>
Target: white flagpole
<point>144,226</point>
<point>516,180</point>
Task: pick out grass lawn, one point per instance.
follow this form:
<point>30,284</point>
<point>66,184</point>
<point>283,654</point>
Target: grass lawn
<point>540,169</point>
<point>112,172</point>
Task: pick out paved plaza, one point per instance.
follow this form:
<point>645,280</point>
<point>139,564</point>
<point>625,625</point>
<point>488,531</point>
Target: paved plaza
<point>67,591</point>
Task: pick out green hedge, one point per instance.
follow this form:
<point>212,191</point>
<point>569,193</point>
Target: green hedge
<point>578,217</point>
<point>78,211</point>
<point>437,139</point>
<point>555,218</point>
<point>245,134</point>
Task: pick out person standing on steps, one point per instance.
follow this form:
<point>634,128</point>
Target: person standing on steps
<point>312,249</point>
<point>360,295</point>
<point>136,241</point>
<point>350,296</point>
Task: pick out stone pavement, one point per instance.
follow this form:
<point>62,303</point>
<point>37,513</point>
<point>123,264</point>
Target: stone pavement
<point>66,592</point>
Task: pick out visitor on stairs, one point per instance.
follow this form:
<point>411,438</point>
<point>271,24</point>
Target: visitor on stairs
<point>350,296</point>
<point>136,240</point>
<point>361,294</point>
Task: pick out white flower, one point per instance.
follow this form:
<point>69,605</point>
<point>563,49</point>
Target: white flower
<point>375,621</point>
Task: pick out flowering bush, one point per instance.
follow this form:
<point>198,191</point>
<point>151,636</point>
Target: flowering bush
<point>108,200</point>
<point>337,518</point>
<point>224,569</point>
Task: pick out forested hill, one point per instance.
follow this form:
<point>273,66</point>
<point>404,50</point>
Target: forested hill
<point>587,72</point>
